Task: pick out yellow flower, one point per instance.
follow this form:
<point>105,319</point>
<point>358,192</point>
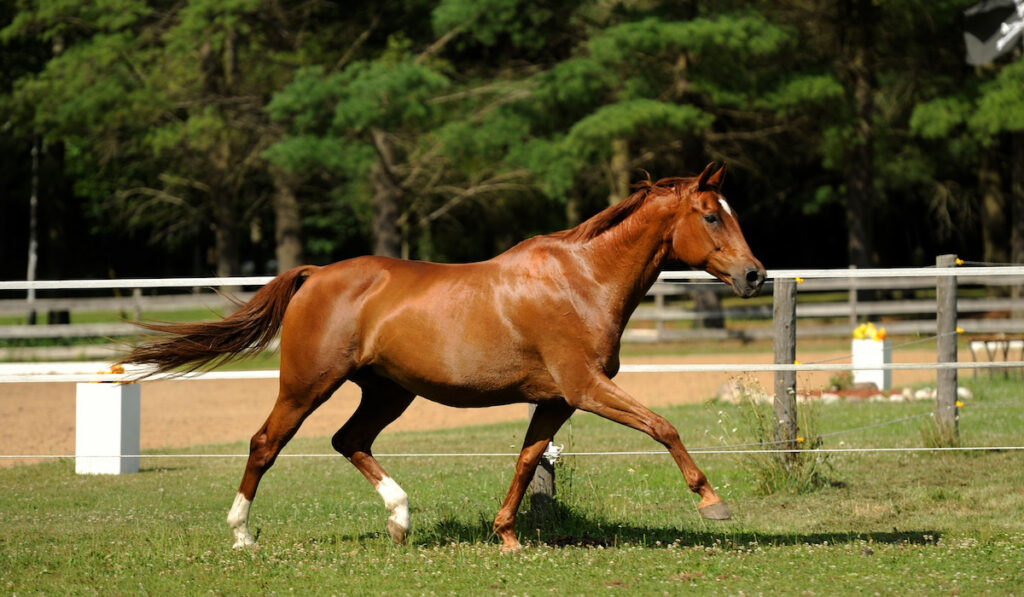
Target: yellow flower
<point>880,334</point>
<point>796,362</point>
<point>959,404</point>
<point>799,440</point>
<point>799,280</point>
<point>959,261</point>
<point>959,330</point>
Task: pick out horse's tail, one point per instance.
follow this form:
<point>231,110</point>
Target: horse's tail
<point>205,345</point>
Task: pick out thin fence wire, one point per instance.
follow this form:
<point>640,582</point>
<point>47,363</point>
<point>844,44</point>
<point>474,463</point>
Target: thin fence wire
<point>763,447</point>
<point>516,454</point>
<point>627,368</point>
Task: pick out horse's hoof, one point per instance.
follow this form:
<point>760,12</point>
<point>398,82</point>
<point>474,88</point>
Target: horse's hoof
<point>511,548</point>
<point>244,543</point>
<point>398,533</point>
<point>717,511</point>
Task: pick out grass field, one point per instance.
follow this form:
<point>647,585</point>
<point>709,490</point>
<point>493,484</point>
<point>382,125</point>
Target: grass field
<point>922,523</point>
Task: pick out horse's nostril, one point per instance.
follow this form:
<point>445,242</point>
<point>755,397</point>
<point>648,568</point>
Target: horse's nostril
<point>753,276</point>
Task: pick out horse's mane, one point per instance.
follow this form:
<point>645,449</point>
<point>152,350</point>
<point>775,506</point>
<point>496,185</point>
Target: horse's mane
<point>612,216</point>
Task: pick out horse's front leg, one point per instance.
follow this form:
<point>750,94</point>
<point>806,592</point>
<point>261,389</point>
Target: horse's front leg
<point>547,419</point>
<point>594,392</point>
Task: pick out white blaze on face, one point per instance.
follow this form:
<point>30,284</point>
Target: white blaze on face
<point>725,206</point>
<point>396,501</point>
<point>238,519</point>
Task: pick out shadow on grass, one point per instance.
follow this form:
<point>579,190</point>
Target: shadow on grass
<point>558,525</point>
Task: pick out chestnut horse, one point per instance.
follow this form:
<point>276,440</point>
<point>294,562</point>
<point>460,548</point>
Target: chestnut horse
<point>540,323</point>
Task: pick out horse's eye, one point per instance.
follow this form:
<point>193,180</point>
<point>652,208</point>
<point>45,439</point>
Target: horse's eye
<point>711,218</point>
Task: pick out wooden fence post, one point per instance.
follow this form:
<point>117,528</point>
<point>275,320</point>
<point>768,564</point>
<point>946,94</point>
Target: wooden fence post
<point>542,487</point>
<point>784,321</point>
<point>852,298</point>
<point>659,324</point>
<point>946,415</point>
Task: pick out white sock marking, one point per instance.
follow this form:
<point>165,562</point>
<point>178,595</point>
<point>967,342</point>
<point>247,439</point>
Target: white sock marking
<point>396,501</point>
<point>238,520</point>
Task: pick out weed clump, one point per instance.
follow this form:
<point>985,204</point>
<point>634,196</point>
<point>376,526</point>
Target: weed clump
<point>777,465</point>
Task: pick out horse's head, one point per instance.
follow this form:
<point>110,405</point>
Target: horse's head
<point>707,235</point>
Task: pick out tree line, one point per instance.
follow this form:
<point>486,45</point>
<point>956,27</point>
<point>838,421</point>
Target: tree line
<point>178,137</point>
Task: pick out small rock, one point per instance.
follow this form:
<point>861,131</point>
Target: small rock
<point>876,398</point>
<point>829,398</point>
<point>908,394</point>
<point>731,392</point>
<point>897,398</point>
<point>923,394</point>
<point>964,393</point>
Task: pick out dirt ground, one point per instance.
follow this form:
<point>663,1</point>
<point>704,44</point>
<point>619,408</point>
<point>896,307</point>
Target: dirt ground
<point>40,417</point>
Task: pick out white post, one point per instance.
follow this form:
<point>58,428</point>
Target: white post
<point>107,428</point>
<point>868,352</point>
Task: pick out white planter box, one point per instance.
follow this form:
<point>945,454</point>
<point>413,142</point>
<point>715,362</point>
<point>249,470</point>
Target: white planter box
<point>107,428</point>
<point>867,353</point>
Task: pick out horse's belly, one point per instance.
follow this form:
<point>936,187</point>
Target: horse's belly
<point>471,387</point>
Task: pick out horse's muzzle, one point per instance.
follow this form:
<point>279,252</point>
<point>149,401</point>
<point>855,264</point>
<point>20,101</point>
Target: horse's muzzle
<point>749,281</point>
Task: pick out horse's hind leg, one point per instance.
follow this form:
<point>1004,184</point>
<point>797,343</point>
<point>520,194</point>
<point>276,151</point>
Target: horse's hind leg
<point>294,403</point>
<point>383,401</point>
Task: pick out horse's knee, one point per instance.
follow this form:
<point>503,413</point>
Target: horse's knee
<point>260,454</point>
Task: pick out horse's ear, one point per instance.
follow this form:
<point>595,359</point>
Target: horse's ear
<point>711,178</point>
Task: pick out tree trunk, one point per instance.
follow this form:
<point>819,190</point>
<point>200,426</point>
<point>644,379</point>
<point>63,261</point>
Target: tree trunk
<point>287,222</point>
<point>859,173</point>
<point>618,172</point>
<point>387,206</point>
<point>708,305</point>
<point>573,209</point>
<point>33,231</point>
<point>1017,207</point>
<point>225,234</point>
<point>993,209</point>
<point>1017,199</point>
<point>387,200</point>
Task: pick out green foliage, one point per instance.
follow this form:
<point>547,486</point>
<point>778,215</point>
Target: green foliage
<point>593,133</point>
<point>1001,102</point>
<point>940,117</point>
<point>796,95</point>
<point>161,110</point>
<point>510,27</point>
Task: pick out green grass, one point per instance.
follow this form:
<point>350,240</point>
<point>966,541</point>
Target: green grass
<point>888,523</point>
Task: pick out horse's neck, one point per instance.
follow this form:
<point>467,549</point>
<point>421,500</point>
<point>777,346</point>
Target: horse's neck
<point>631,255</point>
